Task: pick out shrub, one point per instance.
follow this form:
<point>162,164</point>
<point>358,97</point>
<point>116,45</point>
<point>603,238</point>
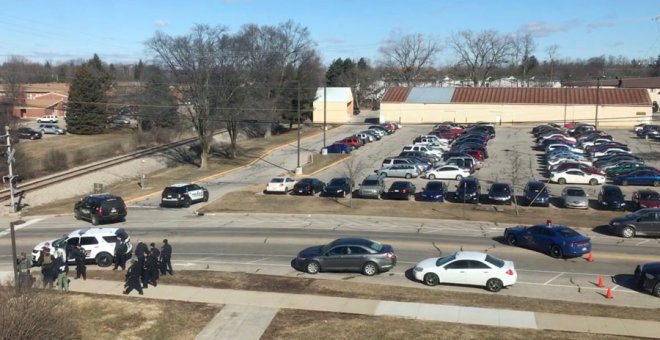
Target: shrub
<point>54,160</point>
<point>80,157</point>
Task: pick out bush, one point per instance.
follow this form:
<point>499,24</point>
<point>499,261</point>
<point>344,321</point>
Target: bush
<point>55,160</point>
<point>80,157</point>
<point>37,315</point>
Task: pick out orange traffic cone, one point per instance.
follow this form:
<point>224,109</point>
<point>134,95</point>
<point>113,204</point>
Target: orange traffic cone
<point>590,258</point>
<point>600,282</point>
<point>609,293</point>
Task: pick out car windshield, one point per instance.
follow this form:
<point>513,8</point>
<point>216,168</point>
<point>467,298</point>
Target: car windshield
<point>494,261</point>
<point>500,189</point>
<point>337,181</point>
<point>370,182</point>
<point>377,246</point>
<point>468,185</point>
<point>305,181</point>
<point>649,196</point>
<point>612,191</point>
<point>443,260</point>
<point>536,187</point>
<point>434,186</point>
<point>277,180</point>
<point>566,232</point>
<point>575,192</point>
<point>399,185</point>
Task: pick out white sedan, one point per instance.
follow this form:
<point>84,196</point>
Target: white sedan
<point>467,268</point>
<point>447,172</point>
<point>576,176</point>
<point>280,184</point>
<point>563,147</point>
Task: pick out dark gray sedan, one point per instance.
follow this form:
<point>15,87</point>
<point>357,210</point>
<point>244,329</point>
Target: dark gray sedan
<point>347,254</point>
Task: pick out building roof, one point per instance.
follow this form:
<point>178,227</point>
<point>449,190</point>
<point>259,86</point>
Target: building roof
<point>545,95</point>
<point>396,94</point>
<point>630,83</point>
<point>42,103</point>
<point>430,95</point>
<point>62,88</point>
<point>335,94</point>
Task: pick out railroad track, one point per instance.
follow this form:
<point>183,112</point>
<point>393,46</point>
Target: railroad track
<point>38,183</point>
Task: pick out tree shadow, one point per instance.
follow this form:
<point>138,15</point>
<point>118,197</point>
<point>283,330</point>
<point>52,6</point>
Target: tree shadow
<point>182,155</point>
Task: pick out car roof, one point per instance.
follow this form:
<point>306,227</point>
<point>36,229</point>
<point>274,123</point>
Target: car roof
<point>372,177</point>
<point>93,232</point>
<point>103,196</point>
<point>353,240</point>
<point>283,177</point>
<point>470,255</point>
<point>178,185</point>
<point>646,191</point>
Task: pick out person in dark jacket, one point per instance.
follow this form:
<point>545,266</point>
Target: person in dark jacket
<point>46,260</point>
<point>61,268</point>
<point>165,257</point>
<point>120,254</point>
<point>78,255</point>
<point>153,268</point>
<point>133,279</point>
<point>141,253</point>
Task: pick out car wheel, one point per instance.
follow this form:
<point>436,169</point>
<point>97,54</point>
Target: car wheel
<point>313,267</point>
<point>459,177</point>
<point>561,181</point>
<point>593,181</point>
<point>431,176</point>
<point>383,174</point>
<point>656,183</point>
<point>431,279</point>
<point>95,220</point>
<point>370,269</point>
<point>206,197</point>
<point>628,232</point>
<point>343,152</point>
<point>408,176</point>
<point>32,137</point>
<point>494,285</point>
<point>76,215</point>
<point>555,252</point>
<point>186,202</point>
<point>512,240</point>
<point>624,182</point>
<point>103,259</point>
<point>656,290</point>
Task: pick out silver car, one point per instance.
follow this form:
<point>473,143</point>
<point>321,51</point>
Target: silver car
<point>575,197</point>
<point>399,170</point>
<point>372,186</point>
<point>347,254</point>
<point>50,128</point>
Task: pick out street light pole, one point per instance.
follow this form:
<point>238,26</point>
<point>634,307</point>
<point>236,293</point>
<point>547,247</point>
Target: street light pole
<point>597,98</point>
<point>565,100</point>
<point>298,168</point>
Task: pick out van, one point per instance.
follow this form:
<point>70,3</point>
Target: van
<point>395,161</point>
<point>426,149</point>
<point>372,186</point>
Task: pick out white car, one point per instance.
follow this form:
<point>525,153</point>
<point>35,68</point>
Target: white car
<point>553,135</point>
<point>98,243</point>
<point>576,176</point>
<point>447,172</point>
<point>597,141</point>
<point>563,147</point>
<point>47,119</point>
<point>467,268</point>
<point>554,161</point>
<point>281,184</point>
<point>426,149</point>
<point>552,168</point>
<point>609,152</point>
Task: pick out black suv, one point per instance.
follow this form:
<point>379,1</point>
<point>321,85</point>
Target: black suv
<point>468,190</point>
<point>28,133</point>
<point>183,195</point>
<point>100,208</point>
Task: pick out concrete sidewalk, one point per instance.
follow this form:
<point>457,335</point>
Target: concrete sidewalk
<point>240,322</point>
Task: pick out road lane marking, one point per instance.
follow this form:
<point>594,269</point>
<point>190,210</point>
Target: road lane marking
<point>640,243</point>
<point>259,260</point>
<point>553,278</point>
<point>20,226</point>
<point>615,287</point>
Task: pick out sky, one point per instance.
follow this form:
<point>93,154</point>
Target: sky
<point>116,30</point>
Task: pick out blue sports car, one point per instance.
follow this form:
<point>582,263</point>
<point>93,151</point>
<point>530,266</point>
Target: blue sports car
<point>557,240</point>
<point>640,177</point>
<point>434,191</point>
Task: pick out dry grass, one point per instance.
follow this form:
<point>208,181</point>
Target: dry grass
<point>296,324</point>
<point>297,285</point>
<point>318,162</point>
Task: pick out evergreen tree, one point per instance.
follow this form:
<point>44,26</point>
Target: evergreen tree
<point>137,73</point>
<point>159,106</point>
<point>87,93</point>
<point>334,73</point>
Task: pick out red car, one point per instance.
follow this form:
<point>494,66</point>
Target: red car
<point>478,155</point>
<point>646,199</point>
<point>351,141</point>
<point>444,134</point>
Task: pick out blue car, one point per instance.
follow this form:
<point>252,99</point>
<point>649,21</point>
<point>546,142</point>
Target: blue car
<point>640,177</point>
<point>536,192</point>
<point>339,148</point>
<point>434,191</point>
<point>556,240</point>
<point>562,152</point>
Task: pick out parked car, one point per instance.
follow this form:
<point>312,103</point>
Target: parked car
<point>576,176</point>
<point>47,119</point>
<point>556,240</point>
<point>338,187</point>
<point>468,190</point>
<point>339,148</point>
<point>399,170</point>
<point>49,128</point>
<point>308,186</point>
<point>183,195</point>
<point>447,172</point>
<point>353,142</point>
<point>536,192</point>
<point>640,177</point>
<point>28,133</point>
<point>648,277</point>
<point>610,197</point>
<point>347,254</point>
<point>622,168</point>
<point>280,184</point>
<point>467,268</point>
<point>100,208</point>
<point>500,193</point>
<point>434,191</point>
<point>401,190</point>
<point>646,199</point>
<point>575,197</point>
<point>372,186</point>
<point>98,244</point>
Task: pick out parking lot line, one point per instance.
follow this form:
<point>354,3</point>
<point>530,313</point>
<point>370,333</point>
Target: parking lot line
<point>553,278</point>
<point>572,287</point>
<point>259,260</point>
<point>640,243</point>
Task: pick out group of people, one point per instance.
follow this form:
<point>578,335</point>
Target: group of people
<point>146,268</point>
<point>54,267</point>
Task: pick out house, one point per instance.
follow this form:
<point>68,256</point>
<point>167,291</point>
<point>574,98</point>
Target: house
<point>335,107</point>
<point>37,100</point>
<point>609,106</point>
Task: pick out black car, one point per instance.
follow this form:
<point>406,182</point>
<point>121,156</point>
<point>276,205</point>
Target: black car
<point>610,197</point>
<point>434,191</point>
<point>648,277</point>
<point>183,195</point>
<point>338,187</point>
<point>468,190</point>
<point>347,254</point>
<point>401,190</point>
<point>308,186</point>
<point>536,192</point>
<point>641,222</point>
<point>28,133</point>
<point>100,208</point>
<point>500,193</point>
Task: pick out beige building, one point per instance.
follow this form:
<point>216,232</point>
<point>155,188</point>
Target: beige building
<point>610,107</point>
<point>336,106</point>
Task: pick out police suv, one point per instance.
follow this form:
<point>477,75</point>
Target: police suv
<point>98,243</point>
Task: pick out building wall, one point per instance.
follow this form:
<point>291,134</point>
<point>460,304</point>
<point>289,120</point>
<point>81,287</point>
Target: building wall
<point>624,116</point>
<point>336,112</point>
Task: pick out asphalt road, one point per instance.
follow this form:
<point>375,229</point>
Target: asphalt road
<point>266,243</point>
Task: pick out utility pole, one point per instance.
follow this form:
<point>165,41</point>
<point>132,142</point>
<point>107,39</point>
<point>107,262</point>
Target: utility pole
<point>17,284</point>
<point>597,98</point>
<point>298,168</point>
<point>10,162</point>
<point>325,103</point>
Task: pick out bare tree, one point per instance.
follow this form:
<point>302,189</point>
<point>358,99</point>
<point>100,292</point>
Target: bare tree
<point>479,54</point>
<point>203,64</point>
<point>353,169</point>
<point>524,46</point>
<point>408,55</point>
<point>552,56</point>
<point>516,176</point>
